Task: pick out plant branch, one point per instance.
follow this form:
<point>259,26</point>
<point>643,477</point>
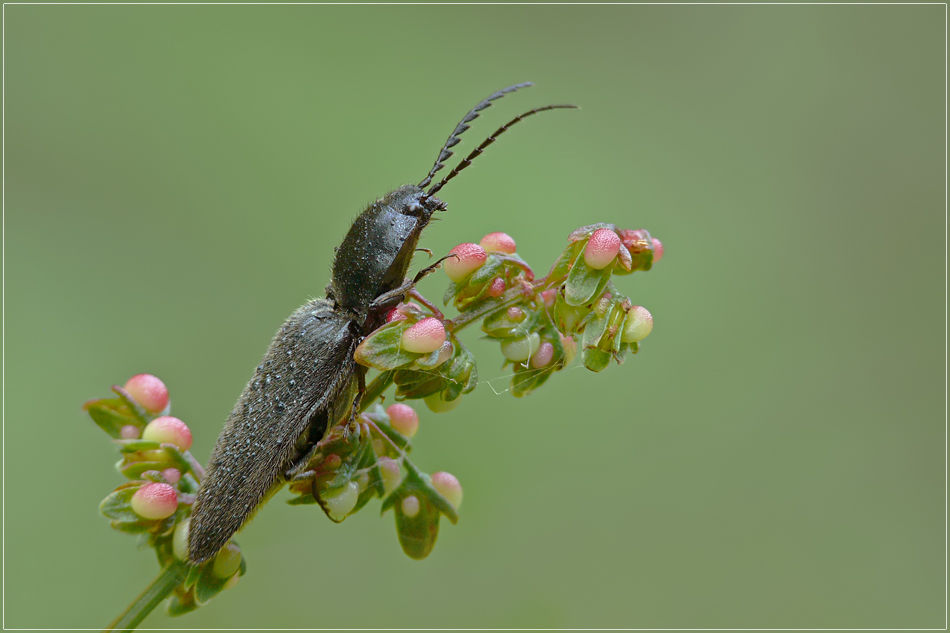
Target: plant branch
<point>161,588</point>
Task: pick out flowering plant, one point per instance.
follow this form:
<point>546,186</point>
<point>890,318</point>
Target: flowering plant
<point>540,325</point>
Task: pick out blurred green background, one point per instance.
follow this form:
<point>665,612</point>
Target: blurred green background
<point>177,178</point>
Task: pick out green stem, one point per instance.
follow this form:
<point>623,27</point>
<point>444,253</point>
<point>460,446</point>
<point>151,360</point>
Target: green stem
<point>375,389</point>
<point>161,587</point>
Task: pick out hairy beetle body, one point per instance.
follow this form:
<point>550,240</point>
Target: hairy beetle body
<point>308,380</point>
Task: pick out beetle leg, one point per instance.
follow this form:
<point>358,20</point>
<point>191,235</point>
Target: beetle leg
<point>397,295</point>
<point>361,375</point>
<point>415,294</point>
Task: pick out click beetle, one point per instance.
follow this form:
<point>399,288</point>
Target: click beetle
<point>308,380</point>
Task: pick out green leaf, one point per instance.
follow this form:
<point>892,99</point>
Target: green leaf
<point>584,283</point>
<point>118,505</point>
<point>578,235</point>
<point>194,573</point>
<point>596,359</point>
<point>417,384</point>
<point>135,446</point>
<point>383,348</point>
<point>302,500</point>
<point>178,605</point>
<point>208,586</point>
<point>134,470</point>
<point>111,415</point>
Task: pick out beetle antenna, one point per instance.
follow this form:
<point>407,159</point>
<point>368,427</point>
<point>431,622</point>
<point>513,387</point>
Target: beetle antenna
<point>453,140</point>
<point>465,162</point>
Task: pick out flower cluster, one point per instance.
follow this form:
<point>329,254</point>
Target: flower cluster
<point>366,458</point>
<point>539,324</point>
<point>163,478</point>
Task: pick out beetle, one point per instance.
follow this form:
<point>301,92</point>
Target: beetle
<point>308,379</point>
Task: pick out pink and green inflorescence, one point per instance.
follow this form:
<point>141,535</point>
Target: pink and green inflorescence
<point>539,324</point>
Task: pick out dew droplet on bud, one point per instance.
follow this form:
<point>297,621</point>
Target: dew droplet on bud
<point>498,242</point>
<point>403,418</point>
<point>168,430</point>
<point>470,258</point>
<point>497,287</point>
<point>449,487</point>
<point>516,314</point>
<point>424,337</point>
<point>148,391</point>
<point>410,506</point>
<point>155,501</point>
<point>227,561</point>
<point>543,356</point>
<point>602,248</point>
<point>390,472</point>
<point>339,502</point>
<point>172,475</point>
<point>180,539</point>
<point>521,348</point>
<point>129,432</point>
<point>638,325</point>
<point>657,250</point>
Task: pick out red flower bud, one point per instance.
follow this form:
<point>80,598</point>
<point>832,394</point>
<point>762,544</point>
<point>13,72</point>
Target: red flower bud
<point>424,337</point>
<point>449,487</point>
<point>168,430</point>
<point>639,324</point>
<point>155,501</point>
<point>497,287</point>
<point>543,356</point>
<point>403,418</point>
<point>657,250</point>
<point>470,258</point>
<point>498,242</point>
<point>148,391</point>
<point>601,249</point>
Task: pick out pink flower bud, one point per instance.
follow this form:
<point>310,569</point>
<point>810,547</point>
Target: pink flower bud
<point>403,418</point>
<point>449,487</point>
<point>171,475</point>
<point>470,258</point>
<point>570,348</point>
<point>410,506</point>
<point>543,356</point>
<point>424,337</point>
<point>638,325</point>
<point>602,248</point>
<point>390,472</point>
<point>497,287</point>
<point>657,250</point>
<point>498,242</point>
<point>395,315</point>
<point>155,501</point>
<point>168,430</point>
<point>129,432</point>
<point>549,296</point>
<point>516,314</point>
<point>148,391</point>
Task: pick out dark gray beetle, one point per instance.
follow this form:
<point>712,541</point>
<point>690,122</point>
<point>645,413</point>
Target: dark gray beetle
<point>308,380</point>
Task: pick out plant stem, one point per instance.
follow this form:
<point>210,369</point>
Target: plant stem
<point>161,587</point>
<point>375,389</point>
